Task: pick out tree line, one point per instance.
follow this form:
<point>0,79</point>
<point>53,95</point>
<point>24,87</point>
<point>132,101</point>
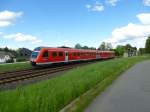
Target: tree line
<point>79,46</point>
<point>120,49</point>
<point>20,54</point>
<point>147,47</point>
<point>13,52</point>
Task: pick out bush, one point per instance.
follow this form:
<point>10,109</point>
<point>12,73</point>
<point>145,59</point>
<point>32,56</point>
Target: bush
<point>21,59</point>
<point>10,60</point>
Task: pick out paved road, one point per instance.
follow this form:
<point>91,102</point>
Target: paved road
<point>129,93</point>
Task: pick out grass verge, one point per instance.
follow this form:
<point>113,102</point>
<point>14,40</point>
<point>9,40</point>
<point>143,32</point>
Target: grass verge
<point>14,66</point>
<point>80,103</point>
<point>52,95</point>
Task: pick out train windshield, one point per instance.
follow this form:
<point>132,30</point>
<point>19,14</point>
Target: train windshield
<point>34,54</point>
<point>37,49</point>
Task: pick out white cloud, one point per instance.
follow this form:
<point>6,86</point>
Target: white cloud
<point>8,17</point>
<point>19,37</point>
<point>144,18</point>
<point>129,33</point>
<point>134,34</point>
<point>146,2</point>
<point>4,23</point>
<point>97,7</point>
<point>112,2</point>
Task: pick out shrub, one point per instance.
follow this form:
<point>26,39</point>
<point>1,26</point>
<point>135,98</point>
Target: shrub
<point>10,60</point>
<point>21,59</point>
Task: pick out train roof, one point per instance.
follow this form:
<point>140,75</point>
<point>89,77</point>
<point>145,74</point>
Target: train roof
<point>68,49</point>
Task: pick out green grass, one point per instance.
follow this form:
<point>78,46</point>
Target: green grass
<point>52,95</point>
<point>79,104</point>
<point>14,66</point>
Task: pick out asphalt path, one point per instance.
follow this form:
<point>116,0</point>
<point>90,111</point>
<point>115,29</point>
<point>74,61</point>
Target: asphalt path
<point>129,93</point>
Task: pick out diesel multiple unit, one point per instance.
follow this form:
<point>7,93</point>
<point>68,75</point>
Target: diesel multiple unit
<point>47,55</point>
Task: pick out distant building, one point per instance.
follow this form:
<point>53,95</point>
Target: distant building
<point>24,52</point>
<point>5,56</point>
<point>130,53</point>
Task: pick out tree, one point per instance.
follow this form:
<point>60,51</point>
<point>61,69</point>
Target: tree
<point>78,46</point>
<point>119,51</point>
<point>92,48</point>
<point>108,46</point>
<point>141,51</point>
<point>6,49</point>
<point>147,45</point>
<point>128,47</point>
<point>102,46</point>
<point>134,48</point>
<point>105,46</point>
<point>134,51</point>
<point>85,47</point>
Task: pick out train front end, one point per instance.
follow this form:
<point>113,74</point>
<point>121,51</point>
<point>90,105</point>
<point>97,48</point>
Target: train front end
<point>34,56</point>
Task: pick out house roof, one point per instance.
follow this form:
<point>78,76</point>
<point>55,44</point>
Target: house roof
<point>3,54</point>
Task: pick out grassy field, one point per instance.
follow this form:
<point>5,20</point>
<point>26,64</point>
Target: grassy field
<point>14,66</point>
<point>52,95</point>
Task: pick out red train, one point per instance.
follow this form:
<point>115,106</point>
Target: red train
<point>48,55</point>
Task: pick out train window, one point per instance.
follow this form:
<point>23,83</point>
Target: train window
<point>45,54</point>
<point>66,53</point>
<point>37,49</point>
<point>54,54</point>
<point>34,54</point>
<point>60,54</point>
<point>78,54</point>
<point>82,54</point>
<point>74,54</point>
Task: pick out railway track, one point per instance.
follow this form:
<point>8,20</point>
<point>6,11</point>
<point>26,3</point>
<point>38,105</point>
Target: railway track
<point>20,75</point>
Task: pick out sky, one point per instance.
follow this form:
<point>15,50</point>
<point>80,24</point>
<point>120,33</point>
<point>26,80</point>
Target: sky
<point>33,23</point>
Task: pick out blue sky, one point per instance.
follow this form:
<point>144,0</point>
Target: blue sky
<point>32,23</point>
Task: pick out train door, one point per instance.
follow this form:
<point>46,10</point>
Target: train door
<point>97,55</point>
<point>45,56</point>
<point>66,56</point>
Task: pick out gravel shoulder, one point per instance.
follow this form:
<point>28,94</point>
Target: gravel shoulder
<point>30,81</point>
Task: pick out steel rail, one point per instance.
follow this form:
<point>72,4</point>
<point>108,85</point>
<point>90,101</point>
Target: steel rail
<point>11,77</point>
